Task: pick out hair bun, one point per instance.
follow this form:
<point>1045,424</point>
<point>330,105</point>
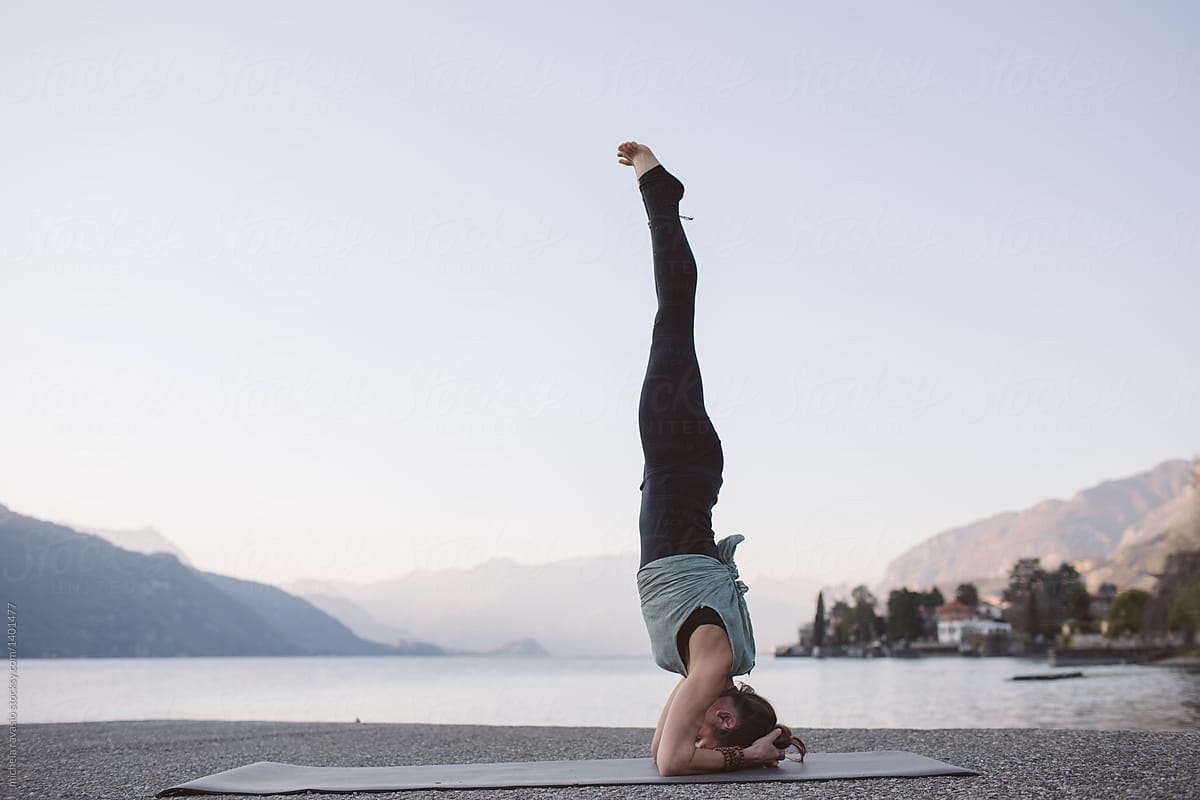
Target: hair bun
<point>787,739</point>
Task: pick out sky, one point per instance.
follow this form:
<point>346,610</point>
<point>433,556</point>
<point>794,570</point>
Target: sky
<point>344,290</point>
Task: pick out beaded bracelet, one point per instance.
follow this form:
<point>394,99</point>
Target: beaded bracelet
<point>735,758</point>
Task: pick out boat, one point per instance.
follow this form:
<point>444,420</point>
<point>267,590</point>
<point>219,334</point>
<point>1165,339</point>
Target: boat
<point>1047,676</point>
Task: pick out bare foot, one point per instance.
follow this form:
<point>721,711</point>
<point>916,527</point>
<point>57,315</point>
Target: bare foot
<point>638,156</point>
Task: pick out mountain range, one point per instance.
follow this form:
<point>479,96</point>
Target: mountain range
<point>585,606</point>
<point>1119,531</point>
<point>78,595</point>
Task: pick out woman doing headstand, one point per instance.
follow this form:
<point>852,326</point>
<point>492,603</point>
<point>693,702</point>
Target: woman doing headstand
<point>690,593</point>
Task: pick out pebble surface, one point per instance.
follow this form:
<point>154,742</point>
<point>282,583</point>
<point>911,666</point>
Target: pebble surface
<point>104,760</point>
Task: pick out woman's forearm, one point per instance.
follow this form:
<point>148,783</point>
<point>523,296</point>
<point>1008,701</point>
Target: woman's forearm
<point>703,761</point>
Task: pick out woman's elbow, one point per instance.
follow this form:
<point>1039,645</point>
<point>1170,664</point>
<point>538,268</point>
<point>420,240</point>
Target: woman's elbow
<point>671,767</point>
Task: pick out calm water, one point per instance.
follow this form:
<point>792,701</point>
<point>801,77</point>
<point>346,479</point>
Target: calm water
<point>839,693</point>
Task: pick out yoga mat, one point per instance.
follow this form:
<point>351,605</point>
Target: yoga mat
<point>269,777</point>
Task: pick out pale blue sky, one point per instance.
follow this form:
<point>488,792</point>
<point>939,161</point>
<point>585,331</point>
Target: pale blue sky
<point>345,289</point>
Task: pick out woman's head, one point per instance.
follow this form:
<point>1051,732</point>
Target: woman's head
<point>753,718</point>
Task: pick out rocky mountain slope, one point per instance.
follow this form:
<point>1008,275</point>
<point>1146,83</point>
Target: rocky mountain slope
<point>1116,531</point>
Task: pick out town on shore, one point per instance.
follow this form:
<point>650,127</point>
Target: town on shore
<point>1040,613</point>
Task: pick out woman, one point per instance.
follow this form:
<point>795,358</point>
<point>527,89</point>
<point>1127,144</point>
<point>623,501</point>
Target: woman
<point>691,596</point>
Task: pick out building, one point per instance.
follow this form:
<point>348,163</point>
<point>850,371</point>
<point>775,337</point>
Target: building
<point>957,622</point>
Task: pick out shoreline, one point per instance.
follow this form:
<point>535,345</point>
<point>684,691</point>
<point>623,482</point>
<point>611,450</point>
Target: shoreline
<point>137,759</point>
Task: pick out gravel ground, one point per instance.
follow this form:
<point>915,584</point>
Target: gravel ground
<point>137,759</point>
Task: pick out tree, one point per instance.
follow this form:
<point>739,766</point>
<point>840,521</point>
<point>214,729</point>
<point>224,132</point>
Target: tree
<point>864,613</point>
<point>1024,583</point>
<point>933,599</point>
<point>862,596</point>
<point>841,622</point>
<point>904,615</point>
<point>819,621</point>
<point>1185,612</point>
<point>1079,607</point>
<point>1125,612</point>
<point>930,602</point>
<point>1033,620</point>
<point>1039,600</point>
<point>967,594</point>
<point>1059,585</point>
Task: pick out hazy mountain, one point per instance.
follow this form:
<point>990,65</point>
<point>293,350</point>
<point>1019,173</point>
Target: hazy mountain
<point>580,606</point>
<point>78,595</point>
<point>314,631</point>
<point>139,540</point>
<point>1090,526</point>
<point>780,607</point>
<point>350,615</point>
<point>522,647</point>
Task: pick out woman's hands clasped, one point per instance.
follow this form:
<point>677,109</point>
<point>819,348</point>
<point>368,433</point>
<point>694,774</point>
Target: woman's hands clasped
<point>763,752</point>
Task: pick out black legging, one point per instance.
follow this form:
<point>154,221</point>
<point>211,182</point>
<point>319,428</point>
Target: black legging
<point>682,474</point>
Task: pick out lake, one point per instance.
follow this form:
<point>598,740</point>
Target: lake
<point>607,692</point>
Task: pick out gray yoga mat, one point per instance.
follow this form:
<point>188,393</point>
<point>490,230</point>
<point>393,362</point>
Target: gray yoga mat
<point>269,777</point>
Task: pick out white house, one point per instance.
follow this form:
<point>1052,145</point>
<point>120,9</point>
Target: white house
<point>957,622</point>
<point>953,631</point>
